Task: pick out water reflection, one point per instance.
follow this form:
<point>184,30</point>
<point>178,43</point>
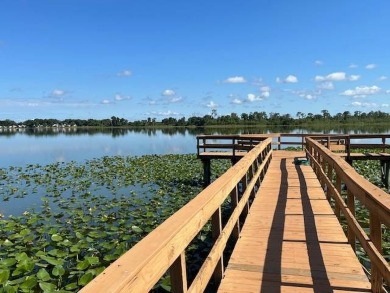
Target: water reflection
<point>173,131</point>
<point>21,146</point>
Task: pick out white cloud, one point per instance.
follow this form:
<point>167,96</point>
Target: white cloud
<point>212,105</point>
<point>318,62</point>
<point>369,105</point>
<point>106,102</point>
<point>265,91</point>
<point>166,113</point>
<point>168,93</point>
<point>176,100</point>
<point>235,79</point>
<point>353,66</point>
<point>237,101</point>
<point>387,91</point>
<point>289,79</point>
<point>57,93</point>
<point>326,85</point>
<point>335,76</point>
<point>265,94</point>
<point>310,97</point>
<point>370,66</point>
<point>361,92</point>
<point>125,72</point>
<point>119,97</point>
<point>354,77</point>
<point>253,98</point>
<point>382,78</point>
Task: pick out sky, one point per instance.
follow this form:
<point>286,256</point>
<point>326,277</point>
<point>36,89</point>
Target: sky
<point>138,59</point>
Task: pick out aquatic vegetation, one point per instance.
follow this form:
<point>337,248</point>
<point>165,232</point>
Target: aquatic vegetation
<point>62,224</point>
<point>371,170</point>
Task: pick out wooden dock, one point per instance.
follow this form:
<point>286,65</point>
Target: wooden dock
<point>288,237</point>
<point>291,240</point>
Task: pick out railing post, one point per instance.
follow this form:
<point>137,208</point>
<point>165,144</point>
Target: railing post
<point>234,203</point>
<point>328,142</point>
<point>216,229</point>
<point>244,182</point>
<point>323,166</point>
<point>279,142</point>
<point>179,274</point>
<point>384,144</point>
<point>338,188</point>
<point>351,207</point>
<point>348,148</point>
<point>376,238</point>
<point>234,147</point>
<point>250,175</point>
<point>330,175</point>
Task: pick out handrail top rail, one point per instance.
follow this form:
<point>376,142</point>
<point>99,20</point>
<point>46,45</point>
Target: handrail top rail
<point>372,194</point>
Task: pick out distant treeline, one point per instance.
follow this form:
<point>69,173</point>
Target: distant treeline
<point>253,118</point>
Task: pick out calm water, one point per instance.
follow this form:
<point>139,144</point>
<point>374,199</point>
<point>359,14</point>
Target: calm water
<point>46,147</point>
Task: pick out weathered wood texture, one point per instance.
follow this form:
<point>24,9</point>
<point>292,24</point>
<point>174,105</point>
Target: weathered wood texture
<point>291,240</point>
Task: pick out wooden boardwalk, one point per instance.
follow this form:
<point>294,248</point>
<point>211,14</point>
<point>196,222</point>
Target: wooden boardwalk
<point>291,240</point>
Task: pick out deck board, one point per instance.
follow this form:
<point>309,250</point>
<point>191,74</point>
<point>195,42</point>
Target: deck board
<point>291,240</point>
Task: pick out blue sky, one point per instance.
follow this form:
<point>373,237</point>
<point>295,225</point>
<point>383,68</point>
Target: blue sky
<point>139,59</point>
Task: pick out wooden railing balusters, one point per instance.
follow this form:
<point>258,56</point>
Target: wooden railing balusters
<point>178,274</point>
<point>351,205</point>
<point>216,229</point>
<point>329,175</point>
<point>234,203</point>
<point>338,188</point>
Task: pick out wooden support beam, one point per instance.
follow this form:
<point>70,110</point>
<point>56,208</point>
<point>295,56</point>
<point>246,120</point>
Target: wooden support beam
<point>206,172</point>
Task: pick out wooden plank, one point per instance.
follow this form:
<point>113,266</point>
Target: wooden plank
<point>291,240</point>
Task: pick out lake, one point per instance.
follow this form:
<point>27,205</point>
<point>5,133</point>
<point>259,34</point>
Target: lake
<point>21,147</point>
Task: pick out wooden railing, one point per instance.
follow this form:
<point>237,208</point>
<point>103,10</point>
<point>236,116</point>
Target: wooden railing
<point>231,143</point>
<point>335,142</point>
<point>139,269</point>
<point>333,173</point>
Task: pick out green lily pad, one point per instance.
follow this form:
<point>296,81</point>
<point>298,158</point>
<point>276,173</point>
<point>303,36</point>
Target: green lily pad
<point>85,279</point>
<point>4,276</point>
<point>43,275</point>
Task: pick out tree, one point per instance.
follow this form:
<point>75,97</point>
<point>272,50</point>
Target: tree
<point>325,114</point>
<point>300,115</point>
<point>214,113</point>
